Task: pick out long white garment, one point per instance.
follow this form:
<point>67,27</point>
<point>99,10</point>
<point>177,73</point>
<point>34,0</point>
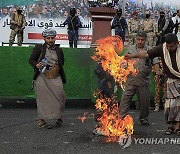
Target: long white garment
<point>50,97</point>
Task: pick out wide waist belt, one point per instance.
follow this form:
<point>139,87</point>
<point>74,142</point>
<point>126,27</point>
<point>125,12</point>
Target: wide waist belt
<point>51,71</point>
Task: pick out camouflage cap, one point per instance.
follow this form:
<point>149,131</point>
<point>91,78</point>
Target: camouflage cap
<point>19,8</point>
<point>49,32</point>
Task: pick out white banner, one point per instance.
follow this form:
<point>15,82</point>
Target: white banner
<point>34,28</point>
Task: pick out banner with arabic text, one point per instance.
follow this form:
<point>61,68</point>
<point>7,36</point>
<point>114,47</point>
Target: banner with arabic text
<point>34,28</point>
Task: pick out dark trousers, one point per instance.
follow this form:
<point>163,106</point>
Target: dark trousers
<point>73,38</point>
<point>143,93</point>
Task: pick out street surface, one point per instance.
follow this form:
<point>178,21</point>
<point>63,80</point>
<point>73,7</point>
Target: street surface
<point>20,135</point>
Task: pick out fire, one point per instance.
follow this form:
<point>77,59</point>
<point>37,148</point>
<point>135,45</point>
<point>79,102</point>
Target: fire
<point>83,118</point>
<point>116,66</point>
<point>111,124</point>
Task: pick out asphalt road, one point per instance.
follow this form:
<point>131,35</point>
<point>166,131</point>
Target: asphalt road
<point>20,135</point>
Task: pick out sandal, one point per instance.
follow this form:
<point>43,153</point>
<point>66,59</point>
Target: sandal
<point>44,125</point>
<point>169,131</point>
<point>177,131</point>
<point>58,123</point>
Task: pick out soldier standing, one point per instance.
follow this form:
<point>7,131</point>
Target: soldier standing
<point>133,27</point>
<point>149,26</point>
<point>17,27</point>
<point>163,23</point>
<point>120,25</point>
<point>74,24</point>
<point>159,83</point>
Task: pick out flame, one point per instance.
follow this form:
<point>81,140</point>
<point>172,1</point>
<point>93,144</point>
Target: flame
<point>111,124</point>
<point>116,66</point>
<point>83,118</point>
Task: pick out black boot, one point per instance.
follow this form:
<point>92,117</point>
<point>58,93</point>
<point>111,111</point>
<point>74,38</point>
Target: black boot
<point>71,44</point>
<point>75,44</point>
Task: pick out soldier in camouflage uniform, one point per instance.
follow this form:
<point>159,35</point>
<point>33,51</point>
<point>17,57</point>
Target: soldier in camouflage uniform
<point>160,83</point>
<point>133,27</point>
<point>149,26</point>
<point>17,26</point>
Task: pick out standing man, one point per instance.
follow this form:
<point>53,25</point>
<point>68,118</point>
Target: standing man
<point>17,27</point>
<point>176,21</point>
<point>74,24</point>
<point>159,83</point>
<point>47,61</point>
<point>149,26</point>
<point>120,25</point>
<point>139,83</point>
<point>170,55</point>
<point>163,24</point>
<point>133,27</point>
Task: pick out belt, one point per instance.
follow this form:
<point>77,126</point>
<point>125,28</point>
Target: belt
<point>148,31</point>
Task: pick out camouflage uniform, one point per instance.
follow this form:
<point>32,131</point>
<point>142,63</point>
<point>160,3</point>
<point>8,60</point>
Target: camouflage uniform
<point>133,28</point>
<point>149,26</point>
<point>160,86</point>
<point>17,26</point>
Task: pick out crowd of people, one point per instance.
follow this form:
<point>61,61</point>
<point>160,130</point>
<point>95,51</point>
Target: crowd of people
<point>48,9</point>
<point>60,8</point>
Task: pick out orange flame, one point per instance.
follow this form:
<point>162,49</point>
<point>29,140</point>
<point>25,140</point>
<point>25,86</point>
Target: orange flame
<point>116,66</point>
<point>111,123</point>
<point>83,118</point>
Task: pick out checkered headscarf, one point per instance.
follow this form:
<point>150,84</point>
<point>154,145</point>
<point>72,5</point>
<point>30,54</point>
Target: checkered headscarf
<point>49,32</point>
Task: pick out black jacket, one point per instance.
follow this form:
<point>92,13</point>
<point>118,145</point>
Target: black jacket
<point>40,50</point>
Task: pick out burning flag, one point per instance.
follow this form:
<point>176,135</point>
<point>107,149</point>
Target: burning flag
<point>116,66</point>
<point>111,124</point>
